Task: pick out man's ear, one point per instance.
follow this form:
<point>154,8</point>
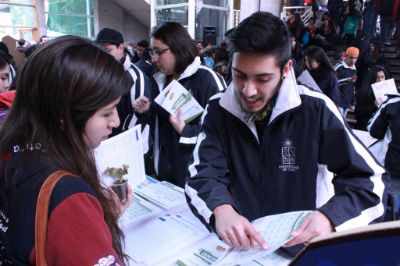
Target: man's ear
<point>287,68</point>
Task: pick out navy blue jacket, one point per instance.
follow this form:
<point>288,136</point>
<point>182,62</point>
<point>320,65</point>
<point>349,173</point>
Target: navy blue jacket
<point>304,142</point>
<point>346,89</point>
<point>386,124</point>
<point>171,150</point>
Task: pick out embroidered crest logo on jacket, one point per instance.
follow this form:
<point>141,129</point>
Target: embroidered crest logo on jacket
<point>288,152</point>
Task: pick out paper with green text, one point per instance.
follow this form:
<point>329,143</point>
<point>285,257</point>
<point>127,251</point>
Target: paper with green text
<point>275,229</point>
<point>175,96</point>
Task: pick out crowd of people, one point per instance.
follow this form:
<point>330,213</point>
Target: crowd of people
<point>263,132</point>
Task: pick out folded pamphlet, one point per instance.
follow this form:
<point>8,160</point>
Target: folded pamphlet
<point>175,97</point>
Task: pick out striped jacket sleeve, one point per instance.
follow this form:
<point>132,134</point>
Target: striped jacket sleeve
<point>207,186</point>
<point>359,182</point>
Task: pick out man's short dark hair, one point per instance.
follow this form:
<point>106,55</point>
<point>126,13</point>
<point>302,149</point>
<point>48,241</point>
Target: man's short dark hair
<point>265,33</point>
<point>107,35</point>
<point>143,43</point>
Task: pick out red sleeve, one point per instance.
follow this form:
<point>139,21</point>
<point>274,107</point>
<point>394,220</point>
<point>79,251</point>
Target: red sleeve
<point>78,235</point>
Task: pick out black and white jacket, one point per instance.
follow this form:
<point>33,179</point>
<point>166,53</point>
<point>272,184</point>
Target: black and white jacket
<point>385,124</point>
<point>171,150</point>
<point>141,86</point>
<point>304,142</point>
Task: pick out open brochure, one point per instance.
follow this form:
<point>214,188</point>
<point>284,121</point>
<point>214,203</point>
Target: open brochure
<point>275,229</point>
<point>175,96</point>
<point>123,149</point>
<point>180,239</point>
<point>383,88</point>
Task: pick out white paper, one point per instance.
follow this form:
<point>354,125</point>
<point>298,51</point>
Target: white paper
<point>125,148</point>
<point>204,253</point>
<point>163,194</point>
<point>175,96</point>
<point>383,88</point>
<point>139,211</point>
<point>155,241</point>
<point>275,229</point>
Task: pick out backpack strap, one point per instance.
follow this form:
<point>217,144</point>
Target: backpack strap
<point>41,216</point>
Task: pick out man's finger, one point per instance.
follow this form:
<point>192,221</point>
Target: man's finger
<point>233,239</point>
<point>256,237</point>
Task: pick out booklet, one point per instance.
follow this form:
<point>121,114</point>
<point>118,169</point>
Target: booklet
<point>175,96</point>
<point>123,149</point>
<point>275,229</point>
<point>383,88</point>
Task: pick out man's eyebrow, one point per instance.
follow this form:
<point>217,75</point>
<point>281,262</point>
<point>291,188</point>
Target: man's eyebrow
<point>258,75</point>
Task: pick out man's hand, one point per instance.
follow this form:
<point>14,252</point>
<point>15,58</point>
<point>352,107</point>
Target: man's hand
<point>141,104</point>
<point>314,224</point>
<point>236,230</point>
<point>177,121</point>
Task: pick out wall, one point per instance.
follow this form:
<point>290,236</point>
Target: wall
<point>110,15</point>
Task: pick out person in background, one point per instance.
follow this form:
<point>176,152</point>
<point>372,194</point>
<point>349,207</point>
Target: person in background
<point>11,63</point>
<point>145,63</point>
<point>5,72</point>
<point>176,56</point>
<point>263,146</point>
<point>43,40</point>
<point>367,104</point>
<point>385,124</point>
<point>112,42</point>
<point>140,46</point>
<point>347,76</point>
<point>65,106</point>
<point>322,71</point>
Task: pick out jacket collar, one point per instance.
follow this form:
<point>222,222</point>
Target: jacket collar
<point>127,63</point>
<point>160,78</point>
<point>345,65</point>
<point>287,99</point>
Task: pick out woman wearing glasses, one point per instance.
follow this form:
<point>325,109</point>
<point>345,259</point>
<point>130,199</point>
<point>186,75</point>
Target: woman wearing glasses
<point>176,56</point>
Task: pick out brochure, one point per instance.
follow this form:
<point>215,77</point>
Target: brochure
<point>123,149</point>
<point>175,97</point>
<point>383,88</point>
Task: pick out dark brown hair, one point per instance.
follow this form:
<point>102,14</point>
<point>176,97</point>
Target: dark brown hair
<point>59,88</point>
<point>176,37</point>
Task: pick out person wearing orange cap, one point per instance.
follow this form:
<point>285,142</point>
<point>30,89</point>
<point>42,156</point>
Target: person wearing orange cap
<point>347,76</point>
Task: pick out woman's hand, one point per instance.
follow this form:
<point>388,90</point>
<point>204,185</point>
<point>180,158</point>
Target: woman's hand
<point>142,104</point>
<point>122,206</point>
<point>177,121</point>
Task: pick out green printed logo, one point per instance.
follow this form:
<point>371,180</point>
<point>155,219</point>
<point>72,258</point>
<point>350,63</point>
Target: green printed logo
<point>184,98</point>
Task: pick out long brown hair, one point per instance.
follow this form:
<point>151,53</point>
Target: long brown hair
<point>59,88</point>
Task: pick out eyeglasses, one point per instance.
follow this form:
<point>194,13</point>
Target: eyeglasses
<point>157,53</point>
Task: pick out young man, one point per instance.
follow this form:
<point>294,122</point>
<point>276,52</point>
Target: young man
<point>130,115</point>
<point>347,76</point>
<point>266,143</point>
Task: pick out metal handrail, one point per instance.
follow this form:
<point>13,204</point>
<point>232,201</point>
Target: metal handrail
<point>305,12</point>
